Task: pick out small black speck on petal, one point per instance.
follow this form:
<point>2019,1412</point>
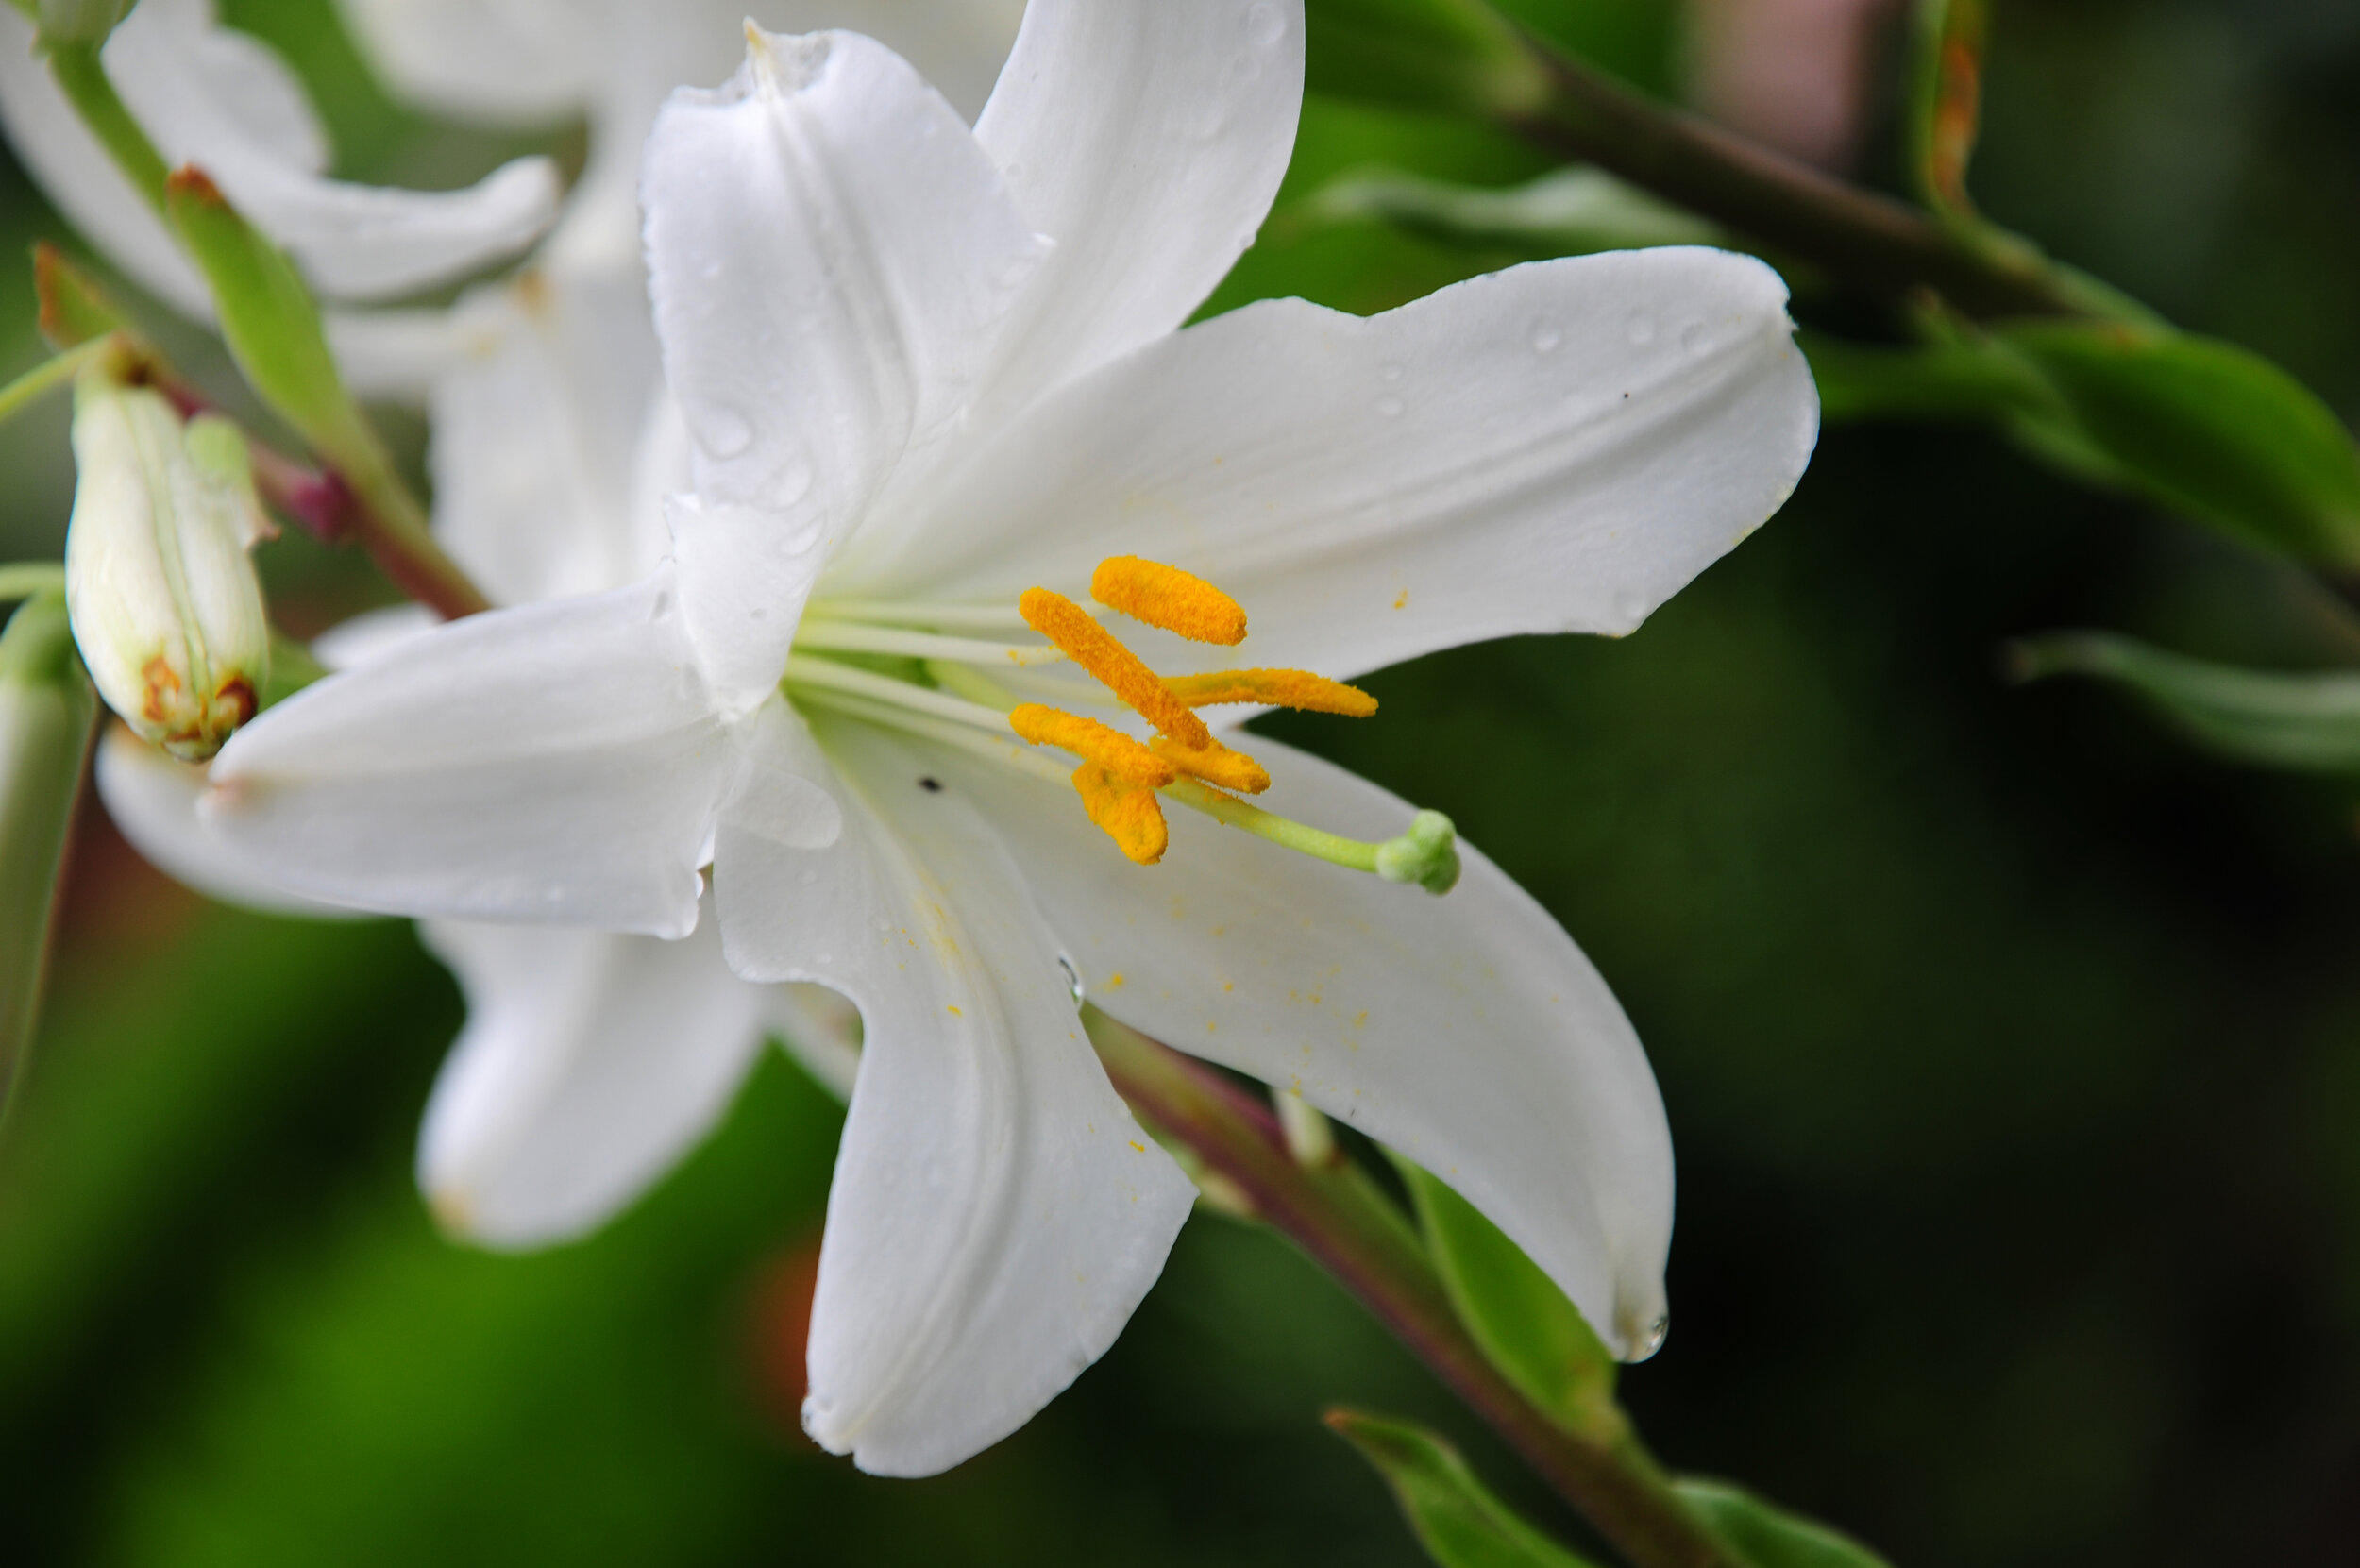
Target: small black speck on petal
<point>930,785</point>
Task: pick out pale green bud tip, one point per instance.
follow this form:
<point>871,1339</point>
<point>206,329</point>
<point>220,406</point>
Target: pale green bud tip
<point>165,606</point>
<point>1428,855</point>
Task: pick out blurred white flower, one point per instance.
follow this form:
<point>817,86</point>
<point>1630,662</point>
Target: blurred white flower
<point>925,370</point>
<point>208,96</point>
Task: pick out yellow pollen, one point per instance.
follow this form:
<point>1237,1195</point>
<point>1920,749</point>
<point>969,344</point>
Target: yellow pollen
<point>1128,812</point>
<point>1279,688</point>
<point>1095,648</point>
<point>1179,602</point>
<point>1122,758</point>
<point>1215,765</point>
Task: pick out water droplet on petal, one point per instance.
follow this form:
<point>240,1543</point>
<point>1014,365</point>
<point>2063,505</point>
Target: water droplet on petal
<point>1244,69</point>
<point>1641,329</point>
<point>807,879</point>
<point>1264,26</point>
<point>1652,1341</point>
<point>1545,336</point>
<point>880,923</point>
<point>723,433</point>
<point>1388,371</point>
<point>1073,980</point>
<point>1389,406</point>
<point>1693,337</point>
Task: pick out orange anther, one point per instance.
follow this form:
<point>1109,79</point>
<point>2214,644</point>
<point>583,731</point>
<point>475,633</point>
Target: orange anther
<point>1129,814</point>
<point>1215,764</point>
<point>1279,688</point>
<point>1110,747</point>
<point>1094,648</point>
<point>1179,602</point>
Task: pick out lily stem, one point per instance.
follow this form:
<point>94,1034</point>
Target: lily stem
<point>1335,1213</point>
<point>1862,236</point>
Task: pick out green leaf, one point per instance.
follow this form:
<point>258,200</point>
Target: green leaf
<point>270,321</point>
<point>1767,1537</point>
<point>2303,723</point>
<point>46,711</point>
<point>1516,1314</point>
<point>73,309</point>
<point>2212,431</point>
<point>1459,1522</point>
<point>1458,55</point>
<point>1569,212</point>
<point>1945,98</point>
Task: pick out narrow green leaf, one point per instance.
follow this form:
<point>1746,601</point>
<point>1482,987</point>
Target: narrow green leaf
<point>1516,1314</point>
<point>1569,212</point>
<point>1767,1537</point>
<point>84,84</point>
<point>2212,431</point>
<point>73,309</point>
<point>1946,100</point>
<point>2303,723</point>
<point>46,711</point>
<point>271,322</point>
<point>1459,1522</point>
<point>1458,55</point>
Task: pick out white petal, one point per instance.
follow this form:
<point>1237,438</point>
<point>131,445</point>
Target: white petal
<point>535,432</point>
<point>75,171</point>
<point>557,763</point>
<point>997,1214</point>
<point>396,355</point>
<point>360,638</point>
<point>1147,139</point>
<point>831,253</point>
<point>223,101</point>
<point>152,798</point>
<point>508,62</point>
<point>820,1030</point>
<point>1466,1031</point>
<point>1557,448</point>
<point>590,1064</point>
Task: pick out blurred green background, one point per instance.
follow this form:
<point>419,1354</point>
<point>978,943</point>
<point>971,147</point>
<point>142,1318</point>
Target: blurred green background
<point>2012,1051</point>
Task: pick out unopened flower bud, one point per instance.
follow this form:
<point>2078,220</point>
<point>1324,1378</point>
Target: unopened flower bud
<point>164,603</point>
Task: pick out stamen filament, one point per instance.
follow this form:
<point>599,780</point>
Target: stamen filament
<point>965,618</point>
<point>854,637</point>
<point>1094,648</point>
<point>1351,853</point>
<point>802,670</point>
<point>1001,748</point>
<point>966,680</point>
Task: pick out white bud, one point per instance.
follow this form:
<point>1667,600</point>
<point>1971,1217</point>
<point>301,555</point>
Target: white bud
<point>163,599</point>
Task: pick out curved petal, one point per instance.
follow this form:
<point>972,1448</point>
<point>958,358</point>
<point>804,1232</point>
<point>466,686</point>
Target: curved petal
<point>590,1064</point>
<point>997,1215</point>
<point>556,763</point>
<point>75,171</point>
<point>1467,1031</point>
<point>535,435</point>
<point>1557,448</point>
<point>1147,139</point>
<point>820,1030</point>
<point>830,255</point>
<point>506,62</point>
<point>396,355</point>
<point>195,89</point>
<point>152,798</point>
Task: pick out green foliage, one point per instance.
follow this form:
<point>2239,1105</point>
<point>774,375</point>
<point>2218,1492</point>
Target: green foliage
<point>1767,1537</point>
<point>1458,55</point>
<point>1519,1317</point>
<point>1459,1524</point>
<point>46,711</point>
<point>1946,100</point>
<point>2210,430</point>
<point>2303,723</point>
<point>1567,212</point>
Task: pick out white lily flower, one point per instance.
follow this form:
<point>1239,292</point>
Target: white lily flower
<point>208,96</point>
<point>934,378</point>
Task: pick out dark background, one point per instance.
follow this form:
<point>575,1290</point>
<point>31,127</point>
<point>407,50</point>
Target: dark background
<point>2012,1051</point>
